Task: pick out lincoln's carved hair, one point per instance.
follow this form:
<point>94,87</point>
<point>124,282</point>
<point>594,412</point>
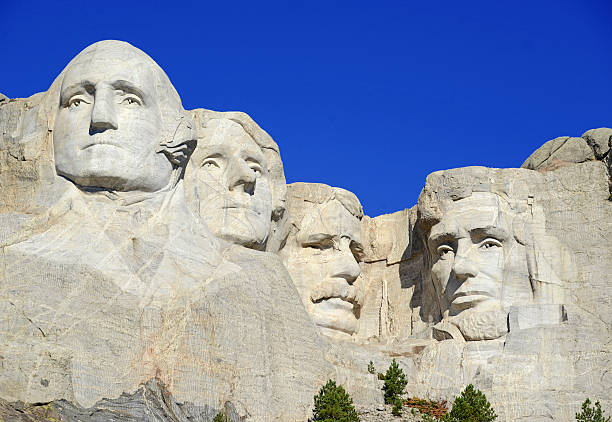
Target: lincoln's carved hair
<point>549,264</point>
<point>177,140</point>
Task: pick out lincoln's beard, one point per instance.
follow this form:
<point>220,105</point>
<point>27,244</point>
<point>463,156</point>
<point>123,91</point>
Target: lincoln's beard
<point>481,324</point>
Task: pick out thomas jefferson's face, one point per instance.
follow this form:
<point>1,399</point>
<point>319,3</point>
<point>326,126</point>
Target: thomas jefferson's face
<point>228,177</point>
<point>325,266</point>
<point>108,127</point>
<point>471,253</point>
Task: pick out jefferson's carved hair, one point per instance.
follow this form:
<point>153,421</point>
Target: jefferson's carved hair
<point>271,152</point>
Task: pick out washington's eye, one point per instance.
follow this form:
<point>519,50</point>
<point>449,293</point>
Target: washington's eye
<point>490,243</point>
<point>76,102</point>
<point>444,250</point>
<point>131,100</point>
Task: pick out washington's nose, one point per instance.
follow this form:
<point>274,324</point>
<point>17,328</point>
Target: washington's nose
<point>464,267</point>
<point>241,177</point>
<point>103,115</point>
<point>345,265</point>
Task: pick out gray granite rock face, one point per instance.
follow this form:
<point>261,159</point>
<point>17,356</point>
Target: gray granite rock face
<point>155,266</point>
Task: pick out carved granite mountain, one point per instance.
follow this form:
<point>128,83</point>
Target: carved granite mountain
<point>155,266</point>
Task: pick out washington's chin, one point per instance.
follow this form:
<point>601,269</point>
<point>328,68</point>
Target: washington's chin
<point>335,317</point>
<point>250,239</point>
<point>119,171</point>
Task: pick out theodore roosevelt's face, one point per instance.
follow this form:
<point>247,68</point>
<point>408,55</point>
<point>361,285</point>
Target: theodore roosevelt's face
<point>108,128</point>
<point>229,184</point>
<point>470,249</point>
<point>324,264</point>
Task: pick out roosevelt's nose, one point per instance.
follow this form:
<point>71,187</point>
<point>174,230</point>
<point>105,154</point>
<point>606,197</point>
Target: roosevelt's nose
<point>463,265</point>
<point>241,177</point>
<point>344,265</point>
<point>103,114</point>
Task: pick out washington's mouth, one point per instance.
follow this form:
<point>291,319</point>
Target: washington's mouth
<point>101,142</point>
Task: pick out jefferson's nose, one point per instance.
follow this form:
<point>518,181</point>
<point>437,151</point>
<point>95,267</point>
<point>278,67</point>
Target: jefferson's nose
<point>103,115</point>
<point>463,266</point>
<point>344,265</point>
<point>241,177</point>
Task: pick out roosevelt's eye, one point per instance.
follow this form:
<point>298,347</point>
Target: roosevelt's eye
<point>131,100</point>
<point>321,245</point>
<point>490,243</point>
<point>77,101</point>
<point>444,250</point>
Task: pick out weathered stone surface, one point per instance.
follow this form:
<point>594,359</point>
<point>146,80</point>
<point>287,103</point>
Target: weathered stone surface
<point>558,153</point>
<point>155,266</point>
<point>599,140</point>
<point>108,278</point>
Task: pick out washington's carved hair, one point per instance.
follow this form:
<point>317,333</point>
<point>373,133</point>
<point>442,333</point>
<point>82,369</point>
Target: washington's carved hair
<point>178,133</point>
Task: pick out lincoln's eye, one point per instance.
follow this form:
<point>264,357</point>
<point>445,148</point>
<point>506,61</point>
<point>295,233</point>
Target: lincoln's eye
<point>444,250</point>
<point>490,243</point>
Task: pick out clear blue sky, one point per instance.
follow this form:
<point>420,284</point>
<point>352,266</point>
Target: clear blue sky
<point>368,96</point>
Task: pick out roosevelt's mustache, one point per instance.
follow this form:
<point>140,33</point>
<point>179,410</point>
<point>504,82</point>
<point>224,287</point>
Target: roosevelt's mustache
<point>336,288</point>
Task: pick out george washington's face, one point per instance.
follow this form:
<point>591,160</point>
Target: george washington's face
<point>471,249</point>
<point>108,128</point>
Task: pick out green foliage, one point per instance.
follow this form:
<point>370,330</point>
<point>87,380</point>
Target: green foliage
<point>220,417</point>
<point>591,414</point>
<point>371,368</point>
<point>333,404</point>
<point>395,382</point>
<point>428,418</point>
<point>397,407</point>
<point>471,406</point>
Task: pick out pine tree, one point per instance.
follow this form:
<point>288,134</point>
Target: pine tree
<point>471,406</point>
<point>591,414</point>
<point>395,382</point>
<point>333,404</point>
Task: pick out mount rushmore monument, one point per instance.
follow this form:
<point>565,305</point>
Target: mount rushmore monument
<point>156,265</point>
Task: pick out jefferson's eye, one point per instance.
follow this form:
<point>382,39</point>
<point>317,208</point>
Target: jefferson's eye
<point>210,164</point>
<point>490,243</point>
<point>444,250</point>
<point>131,100</point>
<point>256,168</point>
